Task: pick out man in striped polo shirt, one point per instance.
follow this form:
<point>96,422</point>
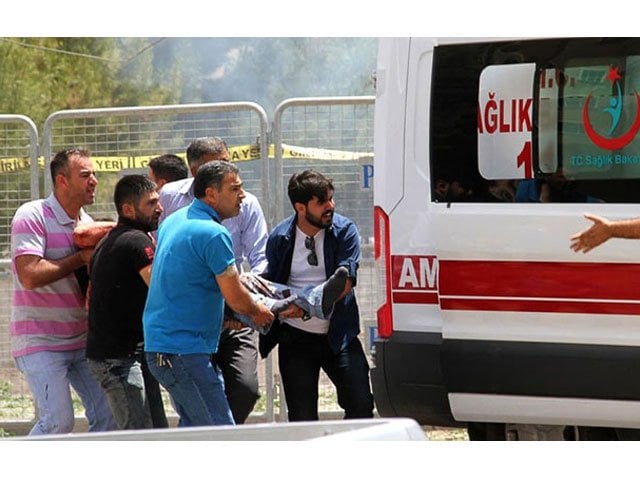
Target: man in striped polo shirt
<point>48,318</point>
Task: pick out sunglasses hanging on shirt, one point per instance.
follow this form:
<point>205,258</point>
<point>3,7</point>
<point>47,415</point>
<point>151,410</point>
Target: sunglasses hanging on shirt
<point>312,258</point>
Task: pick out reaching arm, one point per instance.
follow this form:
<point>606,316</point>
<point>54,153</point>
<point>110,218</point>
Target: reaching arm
<point>602,230</point>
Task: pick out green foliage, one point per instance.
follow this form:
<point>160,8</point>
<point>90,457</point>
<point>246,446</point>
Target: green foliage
<point>14,405</point>
<point>39,76</point>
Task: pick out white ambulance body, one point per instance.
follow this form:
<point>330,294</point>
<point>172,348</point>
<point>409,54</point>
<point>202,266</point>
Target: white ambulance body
<point>487,155</point>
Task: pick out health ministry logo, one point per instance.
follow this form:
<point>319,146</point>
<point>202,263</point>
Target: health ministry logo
<point>615,111</point>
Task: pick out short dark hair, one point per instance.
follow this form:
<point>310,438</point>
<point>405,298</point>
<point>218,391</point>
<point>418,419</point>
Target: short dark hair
<point>308,184</point>
<point>130,189</point>
<point>169,167</point>
<point>212,174</point>
<point>60,162</point>
<point>201,146</point>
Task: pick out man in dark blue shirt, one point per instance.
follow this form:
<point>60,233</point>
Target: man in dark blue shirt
<point>305,249</point>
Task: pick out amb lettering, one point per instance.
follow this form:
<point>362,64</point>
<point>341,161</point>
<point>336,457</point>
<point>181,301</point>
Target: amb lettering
<point>415,273</point>
<point>504,115</point>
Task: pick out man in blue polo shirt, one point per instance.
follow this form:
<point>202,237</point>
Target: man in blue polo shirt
<point>237,354</point>
<point>194,274</point>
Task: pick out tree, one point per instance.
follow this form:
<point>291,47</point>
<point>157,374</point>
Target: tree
<point>39,76</point>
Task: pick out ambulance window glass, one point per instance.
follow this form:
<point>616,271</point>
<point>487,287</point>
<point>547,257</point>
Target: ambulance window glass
<point>507,121</point>
<point>456,106</point>
<point>599,120</point>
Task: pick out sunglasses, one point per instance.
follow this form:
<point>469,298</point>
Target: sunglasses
<point>312,258</point>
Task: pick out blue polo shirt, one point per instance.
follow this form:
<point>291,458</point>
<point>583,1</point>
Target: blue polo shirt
<point>184,309</point>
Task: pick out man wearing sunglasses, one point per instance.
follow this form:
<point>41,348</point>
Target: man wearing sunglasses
<point>305,249</point>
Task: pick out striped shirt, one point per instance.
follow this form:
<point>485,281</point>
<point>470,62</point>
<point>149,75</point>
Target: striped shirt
<point>52,317</point>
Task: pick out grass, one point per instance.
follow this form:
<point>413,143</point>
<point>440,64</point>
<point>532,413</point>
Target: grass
<point>14,406</point>
<point>19,406</point>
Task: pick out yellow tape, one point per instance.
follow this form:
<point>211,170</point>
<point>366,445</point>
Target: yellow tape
<point>240,153</point>
<point>289,151</point>
<point>10,165</point>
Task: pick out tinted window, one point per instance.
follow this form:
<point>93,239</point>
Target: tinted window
<point>537,121</point>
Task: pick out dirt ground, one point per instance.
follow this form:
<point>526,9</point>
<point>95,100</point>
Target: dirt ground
<point>446,434</point>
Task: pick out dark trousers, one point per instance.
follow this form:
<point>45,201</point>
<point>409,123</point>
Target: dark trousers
<point>301,355</point>
<point>237,358</point>
<point>154,396</point>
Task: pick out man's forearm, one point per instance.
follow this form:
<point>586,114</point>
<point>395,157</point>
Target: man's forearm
<point>235,294</point>
<point>625,228</point>
<point>35,272</point>
<point>243,303</point>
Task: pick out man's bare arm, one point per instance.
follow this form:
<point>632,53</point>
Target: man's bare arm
<point>145,273</point>
<point>34,271</point>
<point>602,230</point>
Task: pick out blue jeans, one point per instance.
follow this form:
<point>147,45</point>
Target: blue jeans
<point>50,375</point>
<point>122,381</point>
<point>196,387</point>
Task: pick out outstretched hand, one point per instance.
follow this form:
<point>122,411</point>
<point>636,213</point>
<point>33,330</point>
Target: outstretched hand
<point>593,236</point>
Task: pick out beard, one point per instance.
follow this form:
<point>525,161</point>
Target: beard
<point>147,224</point>
<point>317,221</point>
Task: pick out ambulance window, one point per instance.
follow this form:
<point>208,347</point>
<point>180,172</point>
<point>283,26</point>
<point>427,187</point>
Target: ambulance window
<point>600,119</point>
<point>550,120</point>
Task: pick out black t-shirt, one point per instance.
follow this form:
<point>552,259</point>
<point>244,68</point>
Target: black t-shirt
<point>118,292</point>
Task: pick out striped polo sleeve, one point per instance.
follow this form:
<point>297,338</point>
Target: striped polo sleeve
<point>51,317</point>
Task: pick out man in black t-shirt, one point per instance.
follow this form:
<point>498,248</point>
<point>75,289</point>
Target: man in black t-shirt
<point>120,271</point>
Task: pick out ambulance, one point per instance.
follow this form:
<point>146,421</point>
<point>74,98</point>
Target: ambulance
<point>488,152</point>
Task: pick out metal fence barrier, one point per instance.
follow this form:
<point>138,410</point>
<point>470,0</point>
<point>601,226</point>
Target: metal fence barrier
<point>19,183</point>
<point>333,135</point>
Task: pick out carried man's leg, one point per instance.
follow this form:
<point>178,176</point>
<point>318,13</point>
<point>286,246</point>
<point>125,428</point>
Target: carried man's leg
<point>317,300</point>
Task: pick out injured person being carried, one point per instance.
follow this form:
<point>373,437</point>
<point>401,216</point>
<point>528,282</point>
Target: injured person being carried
<point>315,301</point>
